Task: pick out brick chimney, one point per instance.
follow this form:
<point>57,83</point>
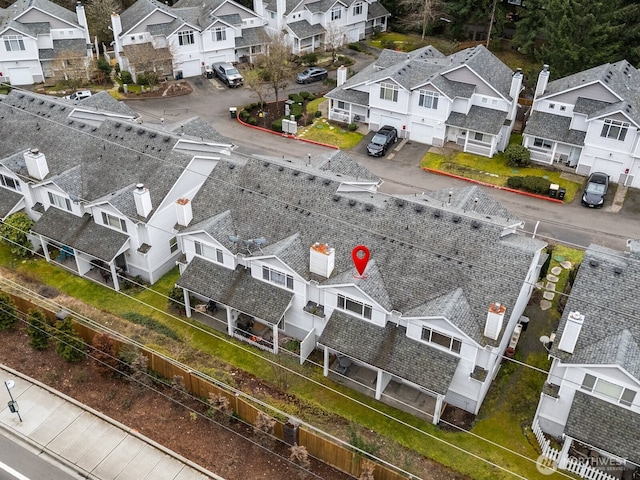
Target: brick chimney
<point>322,259</point>
<point>495,318</point>
<point>142,198</point>
<point>184,212</point>
<point>36,164</point>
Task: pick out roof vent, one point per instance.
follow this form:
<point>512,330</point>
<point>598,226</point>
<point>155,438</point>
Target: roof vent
<point>296,173</point>
<point>336,198</point>
<point>368,207</point>
<point>152,134</point>
<point>352,203</point>
<point>418,208</point>
<point>456,219</point>
<point>617,270</point>
<point>593,263</point>
<point>400,203</point>
<point>128,128</point>
<point>311,178</point>
<point>326,181</point>
<point>437,214</point>
<point>166,139</point>
<point>280,168</point>
<point>140,131</point>
<point>475,224</point>
<point>232,166</point>
<point>265,164</point>
<point>118,125</point>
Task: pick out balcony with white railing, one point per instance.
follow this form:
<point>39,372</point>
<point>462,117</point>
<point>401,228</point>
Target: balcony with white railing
<point>541,156</point>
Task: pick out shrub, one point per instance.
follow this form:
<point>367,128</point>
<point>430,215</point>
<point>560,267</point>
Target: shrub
<point>104,354</point>
<point>296,97</point>
<point>8,314</point>
<point>244,115</point>
<point>311,97</point>
<point>104,66</point>
<point>176,299</point>
<point>296,109</point>
<point>151,324</point>
<point>142,79</point>
<point>38,330</point>
<point>70,346</point>
<point>529,183</point>
<point>390,44</point>
<point>14,233</point>
<point>277,125</point>
<point>126,77</point>
<point>309,59</point>
<point>252,121</point>
<point>355,46</point>
<point>518,155</point>
<point>305,95</point>
<point>318,114</point>
<point>352,127</point>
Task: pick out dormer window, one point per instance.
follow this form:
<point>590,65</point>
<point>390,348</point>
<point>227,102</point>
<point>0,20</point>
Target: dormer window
<point>614,130</point>
<point>13,43</point>
<point>113,221</point>
<point>446,341</point>
<point>59,201</point>
<point>208,251</point>
<point>359,308</point>
<point>219,34</point>
<point>10,182</point>
<point>336,13</point>
<point>625,396</point>
<point>279,278</point>
<point>357,8</point>
<point>428,99</point>
<point>389,91</point>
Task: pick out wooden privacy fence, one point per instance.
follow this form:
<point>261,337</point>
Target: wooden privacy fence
<point>318,445</point>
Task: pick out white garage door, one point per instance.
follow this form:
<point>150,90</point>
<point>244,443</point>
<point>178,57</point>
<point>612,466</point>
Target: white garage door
<point>611,168</point>
<point>191,68</point>
<point>421,133</point>
<point>216,59</point>
<point>20,76</point>
<point>394,122</point>
<point>353,35</point>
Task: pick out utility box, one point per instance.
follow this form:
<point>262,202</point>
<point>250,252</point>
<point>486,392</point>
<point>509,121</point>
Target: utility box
<point>233,112</point>
<point>553,190</point>
<point>561,193</point>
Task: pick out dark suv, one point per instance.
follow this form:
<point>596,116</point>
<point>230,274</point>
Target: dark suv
<point>312,74</point>
<point>380,142</point>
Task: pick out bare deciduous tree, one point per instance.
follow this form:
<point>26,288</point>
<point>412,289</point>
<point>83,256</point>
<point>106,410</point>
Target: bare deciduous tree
<point>253,81</point>
<point>276,63</point>
<point>70,67</point>
<point>419,13</point>
<point>335,37</point>
<point>153,63</point>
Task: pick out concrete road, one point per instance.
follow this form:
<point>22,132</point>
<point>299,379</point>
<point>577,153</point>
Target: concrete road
<point>17,462</point>
<point>571,223</point>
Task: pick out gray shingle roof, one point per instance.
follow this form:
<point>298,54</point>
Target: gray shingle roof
<point>605,292</point>
<point>589,106</point>
<point>553,127</point>
<point>198,128</point>
<point>303,29</point>
<point>479,119</point>
<point>604,425</point>
<point>237,289</point>
<point>390,349</point>
<point>138,11</point>
<point>9,199</point>
<point>252,36</point>
<point>102,101</point>
<point>376,10</point>
<point>276,201</point>
<point>18,7</point>
<point>342,164</point>
<point>81,233</point>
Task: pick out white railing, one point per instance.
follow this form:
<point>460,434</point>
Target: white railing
<point>339,116</point>
<point>574,465</point>
<point>539,156</point>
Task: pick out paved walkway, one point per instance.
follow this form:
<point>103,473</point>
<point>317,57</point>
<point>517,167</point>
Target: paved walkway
<point>82,440</point>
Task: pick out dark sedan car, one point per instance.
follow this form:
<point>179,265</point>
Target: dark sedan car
<point>596,189</point>
<point>312,74</point>
<point>380,142</point>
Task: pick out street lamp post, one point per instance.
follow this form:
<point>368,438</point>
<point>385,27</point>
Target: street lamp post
<point>12,404</point>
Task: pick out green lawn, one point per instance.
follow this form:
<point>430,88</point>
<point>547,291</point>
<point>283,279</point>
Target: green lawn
<point>323,131</point>
<point>494,171</point>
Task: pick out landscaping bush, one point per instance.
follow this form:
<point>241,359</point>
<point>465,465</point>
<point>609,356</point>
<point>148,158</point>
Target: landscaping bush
<point>69,345</point>
<point>355,46</point>
<point>277,125</point>
<point>352,127</point>
<point>142,79</point>
<point>390,44</point>
<point>309,59</point>
<point>305,95</point>
<point>296,97</point>
<point>126,77</point>
<point>318,114</point>
<point>346,61</point>
<point>252,121</point>
<point>311,97</point>
<point>529,184</point>
<point>151,324</point>
<point>8,314</point>
<point>14,234</point>
<point>38,330</point>
<point>517,155</point>
<point>104,66</point>
<point>244,115</point>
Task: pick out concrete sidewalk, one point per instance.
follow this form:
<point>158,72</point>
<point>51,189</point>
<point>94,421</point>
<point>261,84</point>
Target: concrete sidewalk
<point>82,440</point>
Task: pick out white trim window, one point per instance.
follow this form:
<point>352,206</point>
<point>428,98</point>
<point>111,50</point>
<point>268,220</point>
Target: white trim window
<point>185,38</point>
<point>357,8</point>
<point>447,341</point>
<point>113,221</point>
<point>354,306</point>
<point>389,91</point>
<point>277,277</point>
<point>207,251</point>
<point>173,244</point>
<point>542,143</point>
<point>614,130</point>
<point>428,99</point>
<point>622,395</point>
<point>219,34</point>
<point>336,13</point>
<point>10,182</point>
<point>13,43</point>
<point>59,201</point>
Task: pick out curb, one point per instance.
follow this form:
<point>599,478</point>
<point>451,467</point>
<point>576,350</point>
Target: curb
<point>497,187</point>
<point>285,135</point>
<point>115,423</point>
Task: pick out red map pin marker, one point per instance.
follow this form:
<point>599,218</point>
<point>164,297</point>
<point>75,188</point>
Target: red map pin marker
<point>360,256</point>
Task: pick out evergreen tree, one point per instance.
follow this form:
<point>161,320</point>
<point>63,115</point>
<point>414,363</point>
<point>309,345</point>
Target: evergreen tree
<point>14,233</point>
<point>530,27</point>
<point>8,314</point>
<point>38,330</point>
<point>69,345</point>
<point>629,14</point>
<point>580,34</point>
